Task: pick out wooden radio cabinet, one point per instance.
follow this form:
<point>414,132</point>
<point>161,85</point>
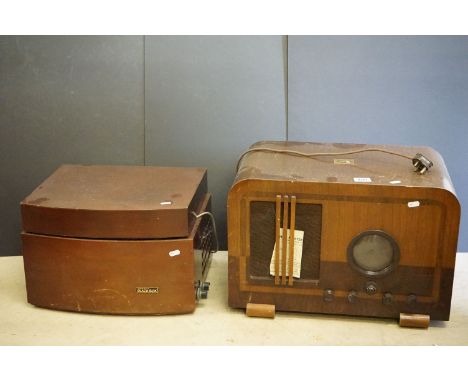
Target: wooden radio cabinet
<point>343,229</point>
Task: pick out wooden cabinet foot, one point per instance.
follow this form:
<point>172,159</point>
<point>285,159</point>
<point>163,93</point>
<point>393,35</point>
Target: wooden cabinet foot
<point>260,310</point>
<point>414,320</point>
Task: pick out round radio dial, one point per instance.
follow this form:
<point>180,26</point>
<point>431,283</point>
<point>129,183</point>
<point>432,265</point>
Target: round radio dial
<point>373,253</point>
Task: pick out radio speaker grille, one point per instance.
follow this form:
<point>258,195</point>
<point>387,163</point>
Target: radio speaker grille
<point>262,238</point>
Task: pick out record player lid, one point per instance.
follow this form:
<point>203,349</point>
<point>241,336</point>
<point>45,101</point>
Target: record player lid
<point>139,202</point>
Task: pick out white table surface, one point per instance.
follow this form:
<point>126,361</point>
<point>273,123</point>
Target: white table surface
<point>213,322</point>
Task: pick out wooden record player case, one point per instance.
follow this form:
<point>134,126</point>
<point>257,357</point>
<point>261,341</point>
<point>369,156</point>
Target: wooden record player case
<point>379,239</point>
<point>118,239</point>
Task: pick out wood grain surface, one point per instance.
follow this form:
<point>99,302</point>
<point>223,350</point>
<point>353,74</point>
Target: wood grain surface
<point>115,202</point>
<point>113,276</point>
<point>426,234</point>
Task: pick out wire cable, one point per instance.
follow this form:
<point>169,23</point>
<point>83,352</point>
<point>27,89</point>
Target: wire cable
<point>213,224</point>
<point>311,155</point>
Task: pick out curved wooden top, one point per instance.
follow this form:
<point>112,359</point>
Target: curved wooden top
<point>115,201</point>
<point>382,168</point>
<point>117,188</point>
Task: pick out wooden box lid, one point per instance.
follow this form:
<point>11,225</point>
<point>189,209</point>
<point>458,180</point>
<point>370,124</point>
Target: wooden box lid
<point>362,165</point>
<point>131,202</point>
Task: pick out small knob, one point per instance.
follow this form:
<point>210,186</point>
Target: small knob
<point>387,298</point>
<point>201,294</point>
<point>328,295</point>
<point>352,296</point>
<point>201,289</point>
<point>411,299</point>
<point>371,287</point>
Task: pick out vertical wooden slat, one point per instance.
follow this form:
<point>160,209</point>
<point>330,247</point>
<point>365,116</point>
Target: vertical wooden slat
<point>291,239</point>
<point>277,237</point>
<point>285,239</point>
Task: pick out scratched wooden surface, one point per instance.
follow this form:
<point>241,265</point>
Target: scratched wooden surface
<point>213,322</point>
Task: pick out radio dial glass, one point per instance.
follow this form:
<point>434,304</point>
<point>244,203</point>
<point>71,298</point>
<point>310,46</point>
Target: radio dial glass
<point>373,253</point>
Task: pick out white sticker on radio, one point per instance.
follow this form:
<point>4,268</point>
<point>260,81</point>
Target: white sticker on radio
<point>414,204</point>
<point>363,180</point>
<point>175,252</point>
<point>395,181</point>
<point>343,161</point>
<point>298,241</point>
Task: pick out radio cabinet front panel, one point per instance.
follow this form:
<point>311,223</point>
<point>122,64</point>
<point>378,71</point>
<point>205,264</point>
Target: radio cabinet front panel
<point>367,249</point>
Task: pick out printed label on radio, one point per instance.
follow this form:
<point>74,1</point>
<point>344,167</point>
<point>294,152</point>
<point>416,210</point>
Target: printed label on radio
<point>298,241</point>
<point>362,180</point>
<point>343,161</point>
<point>147,290</point>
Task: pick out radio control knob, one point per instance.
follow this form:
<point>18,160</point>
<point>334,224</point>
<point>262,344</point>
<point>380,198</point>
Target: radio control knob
<point>352,296</point>
<point>387,298</point>
<point>411,299</point>
<point>328,295</point>
<point>371,288</point>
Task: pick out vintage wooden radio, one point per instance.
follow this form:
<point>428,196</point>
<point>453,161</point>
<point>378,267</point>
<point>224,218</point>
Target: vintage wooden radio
<point>118,239</point>
<point>344,229</point>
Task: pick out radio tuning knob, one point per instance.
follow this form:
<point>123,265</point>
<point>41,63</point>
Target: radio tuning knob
<point>387,298</point>
<point>411,299</point>
<point>352,296</point>
<point>371,287</point>
<point>328,295</point>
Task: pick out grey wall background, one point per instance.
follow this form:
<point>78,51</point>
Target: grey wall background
<point>64,100</point>
<point>395,90</point>
<point>201,101</point>
<point>208,99</point>
<point>85,100</point>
